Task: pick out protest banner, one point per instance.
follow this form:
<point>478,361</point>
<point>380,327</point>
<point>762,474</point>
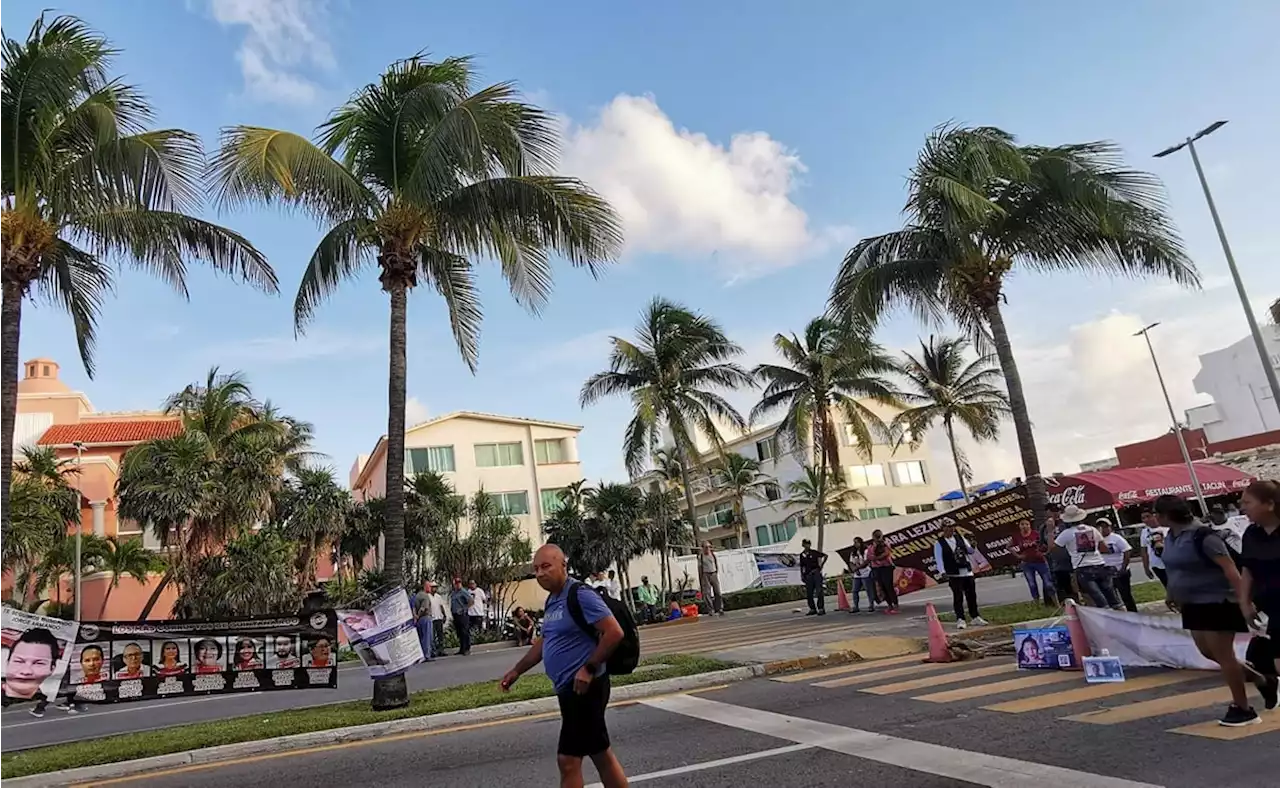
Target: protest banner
<point>383,637</point>
<point>141,660</point>
<point>778,569</point>
<point>37,650</point>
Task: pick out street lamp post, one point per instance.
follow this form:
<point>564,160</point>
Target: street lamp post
<point>1258,341</point>
<point>79,446</point>
<point>1177,428</point>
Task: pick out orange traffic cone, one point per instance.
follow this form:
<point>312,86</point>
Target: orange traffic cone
<point>842,596</point>
<point>938,651</point>
<point>1079,640</point>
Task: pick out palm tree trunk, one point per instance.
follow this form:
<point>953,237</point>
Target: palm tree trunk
<point>102,611</point>
<point>155,595</point>
<point>393,561</point>
<point>821,515</point>
<point>1036,496</point>
<point>955,457</point>
<point>10,340</point>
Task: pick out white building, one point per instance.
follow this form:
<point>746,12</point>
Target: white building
<point>1242,400</point>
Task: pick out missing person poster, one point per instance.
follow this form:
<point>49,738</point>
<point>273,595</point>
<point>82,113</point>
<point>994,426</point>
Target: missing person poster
<point>1044,649</point>
<point>141,660</point>
<point>384,637</point>
<point>36,650</point>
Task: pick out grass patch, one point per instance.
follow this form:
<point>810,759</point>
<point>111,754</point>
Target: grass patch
<point>129,746</point>
<point>1018,612</point>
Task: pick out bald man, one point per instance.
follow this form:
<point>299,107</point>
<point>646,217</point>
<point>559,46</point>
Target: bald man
<point>575,662</point>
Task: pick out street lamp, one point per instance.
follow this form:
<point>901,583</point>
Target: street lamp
<point>79,446</point>
<point>1258,341</point>
<point>1177,428</point>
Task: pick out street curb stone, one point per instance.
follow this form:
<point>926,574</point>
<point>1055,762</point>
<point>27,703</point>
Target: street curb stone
<point>356,733</point>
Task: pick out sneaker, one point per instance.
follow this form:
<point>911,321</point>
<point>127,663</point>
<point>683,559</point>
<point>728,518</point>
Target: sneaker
<point>1237,717</point>
<point>979,621</point>
<point>812,613</point>
<point>36,711</point>
<point>722,612</point>
<point>961,624</point>
<point>1267,687</point>
<point>822,612</point>
<point>856,610</point>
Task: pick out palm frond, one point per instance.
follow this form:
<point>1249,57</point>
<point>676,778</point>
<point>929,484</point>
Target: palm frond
<point>340,255</point>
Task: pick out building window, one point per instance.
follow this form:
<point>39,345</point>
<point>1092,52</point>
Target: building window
<point>546,452</point>
<point>495,455</point>
<point>917,508</point>
<point>432,458</point>
<point>766,449</point>
<point>720,515</point>
<point>909,472</point>
<point>729,543</point>
<point>552,501</point>
<point>512,502</point>
<point>783,531</point>
<point>875,513</point>
<point>771,491</point>
<point>866,476</point>
<point>762,535</point>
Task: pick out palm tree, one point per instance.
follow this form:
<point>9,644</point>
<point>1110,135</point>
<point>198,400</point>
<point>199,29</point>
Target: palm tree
<point>128,558</point>
<point>60,560</point>
<point>741,477</point>
<point>820,495</point>
<point>361,529</point>
<point>252,575</point>
<point>663,508</point>
<point>944,387</point>
<point>85,181</point>
<point>431,507</point>
<point>669,373</point>
<point>311,510</point>
<point>827,371</point>
<point>982,206</point>
<point>45,504</point>
<point>423,173</point>
<point>619,509</point>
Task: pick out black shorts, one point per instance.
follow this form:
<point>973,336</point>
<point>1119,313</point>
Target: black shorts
<point>1213,617</point>
<point>582,729</point>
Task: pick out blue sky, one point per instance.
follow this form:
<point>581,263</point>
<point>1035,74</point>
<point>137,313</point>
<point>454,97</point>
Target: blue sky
<point>747,144</point>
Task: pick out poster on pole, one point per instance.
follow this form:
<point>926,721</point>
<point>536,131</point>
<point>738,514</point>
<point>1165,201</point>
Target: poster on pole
<point>37,650</point>
<point>778,569</point>
<point>384,637</point>
<point>142,660</point>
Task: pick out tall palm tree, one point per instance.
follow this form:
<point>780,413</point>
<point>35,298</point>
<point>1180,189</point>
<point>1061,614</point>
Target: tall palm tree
<point>361,529</point>
<point>826,372</point>
<point>60,560</point>
<point>742,478</point>
<point>944,386</point>
<point>125,559</point>
<point>422,173</point>
<point>980,207</point>
<point>84,181</point>
<point>311,509</point>
<point>820,496</point>
<point>669,373</point>
<point>431,507</point>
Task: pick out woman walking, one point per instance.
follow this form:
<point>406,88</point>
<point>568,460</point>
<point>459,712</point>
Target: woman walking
<point>1207,589</point>
<point>1260,556</point>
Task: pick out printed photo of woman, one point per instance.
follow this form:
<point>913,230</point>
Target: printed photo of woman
<point>208,656</point>
<point>169,658</point>
<point>1029,653</point>
<point>246,656</point>
<point>319,653</point>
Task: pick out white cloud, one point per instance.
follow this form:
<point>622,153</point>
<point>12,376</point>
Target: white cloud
<point>680,192</point>
<point>415,411</point>
<point>286,349</point>
<point>283,42</point>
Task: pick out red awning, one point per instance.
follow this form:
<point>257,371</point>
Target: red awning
<point>1136,485</point>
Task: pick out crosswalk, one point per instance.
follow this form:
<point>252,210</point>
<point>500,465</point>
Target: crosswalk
<point>717,634</point>
<point>996,685</point>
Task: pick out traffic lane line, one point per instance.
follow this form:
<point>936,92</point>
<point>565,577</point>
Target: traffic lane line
<point>856,667</point>
<point>1212,730</point>
<point>978,768</point>
<point>1012,685</point>
<point>716,764</point>
<point>953,677</point>
<point>1157,707</point>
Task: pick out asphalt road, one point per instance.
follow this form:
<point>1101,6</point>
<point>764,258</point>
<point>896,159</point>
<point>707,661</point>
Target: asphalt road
<point>739,635</point>
<point>873,724</point>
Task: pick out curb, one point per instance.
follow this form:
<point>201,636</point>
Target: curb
<point>807,663</point>
<point>301,741</point>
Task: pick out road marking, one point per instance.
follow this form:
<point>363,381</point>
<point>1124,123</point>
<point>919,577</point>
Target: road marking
<point>974,767</point>
<point>867,678</point>
<point>1026,682</point>
<point>93,713</point>
<point>945,678</point>
<point>1212,730</point>
<point>855,667</point>
<point>1093,692</point>
<point>698,767</point>
<point>1154,708</point>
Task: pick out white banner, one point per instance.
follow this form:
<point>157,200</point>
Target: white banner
<point>778,569</point>
<point>1146,641</point>
<point>37,650</point>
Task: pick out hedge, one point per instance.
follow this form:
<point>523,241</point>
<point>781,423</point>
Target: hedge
<point>758,597</point>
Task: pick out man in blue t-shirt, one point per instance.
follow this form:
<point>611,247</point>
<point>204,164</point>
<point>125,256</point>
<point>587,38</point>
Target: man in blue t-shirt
<point>575,662</point>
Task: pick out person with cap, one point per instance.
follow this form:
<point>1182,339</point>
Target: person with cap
<point>1116,551</point>
<point>423,620</point>
<point>951,555</point>
<point>1058,557</point>
<point>811,563</point>
<point>1084,544</point>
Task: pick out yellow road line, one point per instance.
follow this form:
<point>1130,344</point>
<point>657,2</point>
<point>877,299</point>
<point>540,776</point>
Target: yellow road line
<point>866,678</point>
<point>1212,730</point>
<point>855,667</point>
<point>367,742</point>
<point>1094,692</point>
<point>710,643</point>
<point>1026,682</point>
<point>1154,708</point>
<point>945,678</point>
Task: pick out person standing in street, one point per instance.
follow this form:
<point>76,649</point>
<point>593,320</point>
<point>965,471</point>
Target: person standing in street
<point>951,554</point>
<point>460,601</point>
<point>1084,544</point>
<point>1206,588</point>
<point>1116,552</point>
<point>479,606</point>
<point>880,559</point>
<point>709,578</point>
<point>576,664</point>
<point>815,592</point>
<point>1031,551</point>
<point>614,588</point>
<point>423,620</point>
<point>1058,557</point>
<point>1260,556</point>
<point>861,577</point>
<point>648,598</point>
<point>1151,541</point>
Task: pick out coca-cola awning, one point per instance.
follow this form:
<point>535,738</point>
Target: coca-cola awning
<point>1125,486</point>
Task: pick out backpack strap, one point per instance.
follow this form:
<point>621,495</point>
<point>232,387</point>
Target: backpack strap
<point>574,603</point>
<point>1204,532</point>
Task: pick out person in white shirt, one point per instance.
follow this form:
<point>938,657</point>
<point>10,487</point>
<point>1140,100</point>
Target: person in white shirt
<point>1116,552</point>
<point>1084,544</point>
<point>479,600</point>
<point>1151,540</point>
<point>613,587</point>
<point>952,554</point>
<point>439,619</point>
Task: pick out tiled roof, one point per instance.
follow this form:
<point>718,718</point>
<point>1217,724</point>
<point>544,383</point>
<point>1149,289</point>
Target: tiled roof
<point>110,432</point>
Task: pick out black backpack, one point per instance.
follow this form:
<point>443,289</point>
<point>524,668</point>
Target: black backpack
<point>1203,532</point>
<point>626,656</point>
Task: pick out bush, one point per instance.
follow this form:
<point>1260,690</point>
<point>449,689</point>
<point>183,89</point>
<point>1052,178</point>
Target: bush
<point>758,597</point>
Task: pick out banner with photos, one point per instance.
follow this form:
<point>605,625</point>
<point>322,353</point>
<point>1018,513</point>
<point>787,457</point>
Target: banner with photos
<point>141,660</point>
<point>36,651</point>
